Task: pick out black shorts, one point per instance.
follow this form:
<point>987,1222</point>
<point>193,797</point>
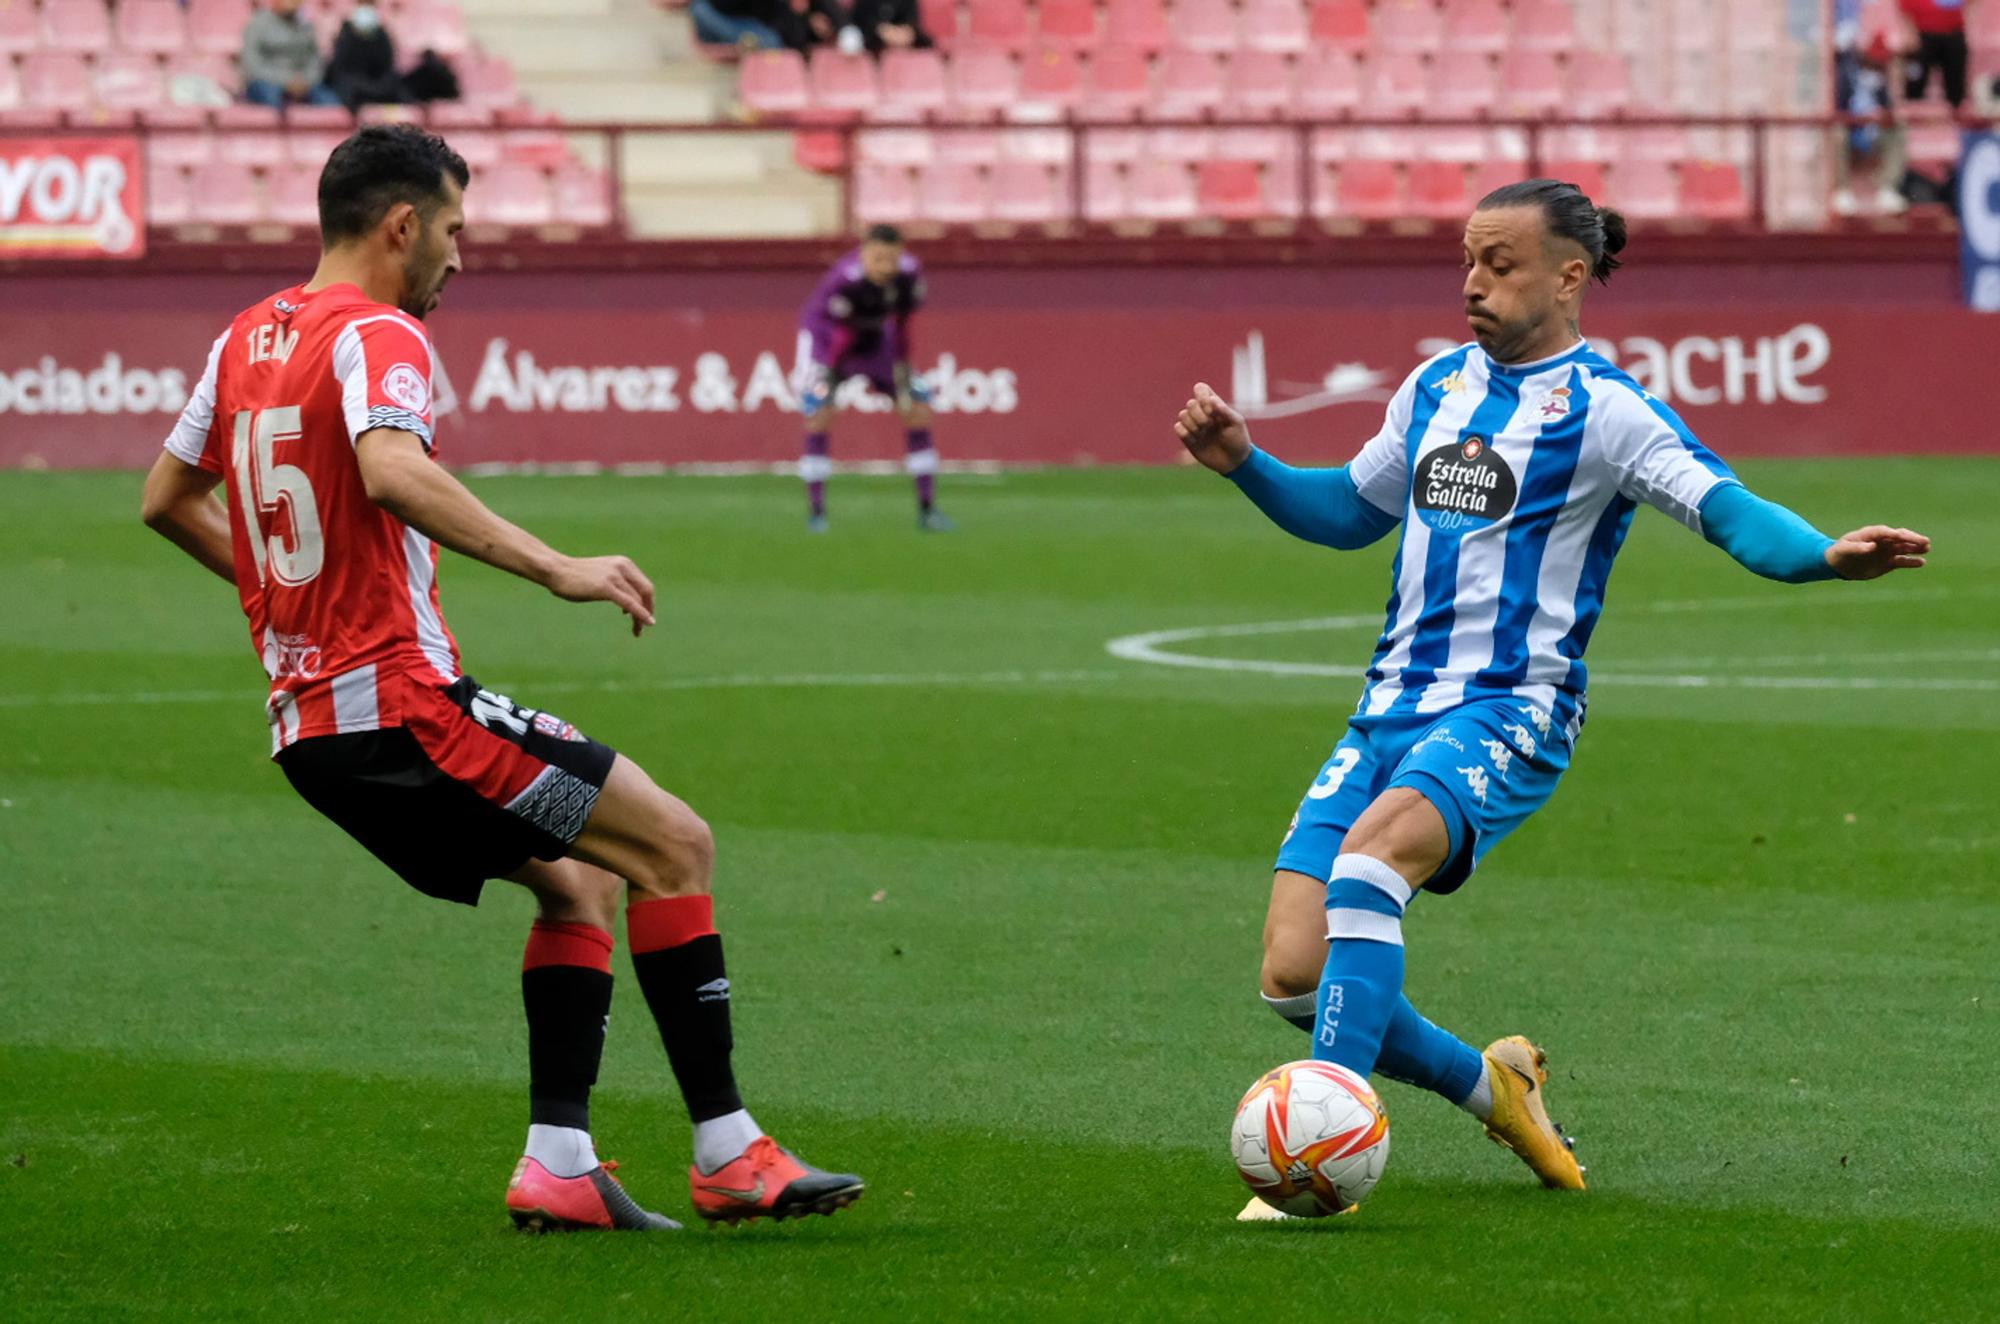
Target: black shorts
<point>469,789</point>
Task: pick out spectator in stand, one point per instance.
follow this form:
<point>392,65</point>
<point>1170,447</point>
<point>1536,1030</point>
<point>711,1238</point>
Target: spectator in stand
<point>744,23</point>
<point>281,61</point>
<point>890,25</point>
<point>1862,88</point>
<point>363,68</point>
<point>1941,46</point>
<point>804,24</point>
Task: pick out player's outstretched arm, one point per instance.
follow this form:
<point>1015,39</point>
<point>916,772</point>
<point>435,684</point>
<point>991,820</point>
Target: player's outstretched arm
<point>1321,506</point>
<point>402,479</point>
<point>1771,541</point>
<point>178,504</point>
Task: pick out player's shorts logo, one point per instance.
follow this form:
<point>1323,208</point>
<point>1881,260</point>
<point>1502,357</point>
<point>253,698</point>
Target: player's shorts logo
<point>1464,485</point>
<point>408,388</point>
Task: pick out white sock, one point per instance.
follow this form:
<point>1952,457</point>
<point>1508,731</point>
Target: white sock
<point>1300,1009</point>
<point>1480,1102</point>
<point>563,1150</point>
<point>720,1141</point>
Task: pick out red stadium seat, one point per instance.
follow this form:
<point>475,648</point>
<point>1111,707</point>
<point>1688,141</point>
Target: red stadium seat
<point>1396,85</point>
<point>1163,190</point>
<point>912,84</point>
<point>130,82</point>
<point>1600,85</point>
<point>310,147</point>
<point>1119,84</point>
<point>83,26</point>
<point>1660,142</point>
<point>1028,193</point>
<point>154,26</point>
<point>1583,142</point>
<point>1002,23</point>
<point>1645,190</point>
<point>253,150</point>
<point>1189,145</point>
<point>1476,26</point>
<point>1041,146</point>
<point>224,193</point>
<point>979,147</point>
<point>1462,85</point>
<point>181,150</point>
<point>583,196</point>
<point>1713,191</point>
<point>1204,25</point>
<point>1140,23</point>
<point>1123,146</point>
<point>169,201</point>
<point>1274,146</point>
<point>1229,190</point>
<point>1051,86</point>
<point>1530,86</point>
<point>1260,85</point>
<point>1697,27</point>
<point>1371,191</point>
<point>1275,25</point>
<point>898,147</point>
<point>217,69</point>
<point>514,195</point>
<point>1066,25</point>
<point>444,116</point>
<point>482,148</point>
<point>940,19</point>
<point>1328,85</point>
<point>773,82</point>
<point>1342,25</point>
<point>1490,175</point>
<point>983,82</point>
<point>1439,191</point>
<point>951,193</point>
<point>486,81</point>
<point>1544,26</point>
<point>56,80</point>
<point>822,151</point>
<point>883,193</point>
<point>293,196</point>
<point>840,81</point>
<point>19,30</point>
<point>10,86</point>
<point>1586,175</point>
<point>1190,85</point>
<point>1106,193</point>
<point>1408,27</point>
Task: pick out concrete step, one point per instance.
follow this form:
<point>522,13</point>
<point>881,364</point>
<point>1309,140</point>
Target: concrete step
<point>614,44</point>
<point>666,159</point>
<point>584,99</point>
<point>477,12</point>
<point>796,208</point>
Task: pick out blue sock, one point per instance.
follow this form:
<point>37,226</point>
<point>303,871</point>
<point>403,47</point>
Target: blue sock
<point>1418,1053</point>
<point>1363,979</point>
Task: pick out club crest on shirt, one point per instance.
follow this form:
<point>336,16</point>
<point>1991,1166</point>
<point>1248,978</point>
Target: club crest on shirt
<point>1556,404</point>
<point>407,387</point>
<point>1463,485</point>
<point>555,727</point>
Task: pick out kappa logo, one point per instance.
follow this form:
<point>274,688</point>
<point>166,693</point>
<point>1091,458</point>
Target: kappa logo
<point>1523,741</point>
<point>1452,382</point>
<point>408,388</point>
<point>1556,405</point>
<point>1543,722</point>
<point>1475,777</point>
<point>715,990</point>
<point>284,307</point>
<point>1501,755</point>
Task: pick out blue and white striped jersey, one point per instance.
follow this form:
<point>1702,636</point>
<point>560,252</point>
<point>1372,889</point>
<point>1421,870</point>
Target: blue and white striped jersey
<point>1516,484</point>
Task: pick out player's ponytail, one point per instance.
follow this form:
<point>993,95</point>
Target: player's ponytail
<point>1569,212</point>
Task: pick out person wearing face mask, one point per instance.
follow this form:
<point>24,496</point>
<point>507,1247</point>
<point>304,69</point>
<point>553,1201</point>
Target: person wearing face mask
<point>363,68</point>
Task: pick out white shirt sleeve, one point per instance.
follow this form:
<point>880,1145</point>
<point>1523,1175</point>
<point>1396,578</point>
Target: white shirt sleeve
<point>189,439</point>
<point>1657,460</point>
<point>1381,471</point>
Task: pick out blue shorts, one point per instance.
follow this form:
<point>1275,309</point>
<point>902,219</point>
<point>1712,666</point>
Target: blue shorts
<point>1486,765</point>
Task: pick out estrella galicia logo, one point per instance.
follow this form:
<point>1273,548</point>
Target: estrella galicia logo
<point>1464,486</point>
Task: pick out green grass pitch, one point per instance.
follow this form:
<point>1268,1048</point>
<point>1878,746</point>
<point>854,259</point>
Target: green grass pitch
<point>993,898</point>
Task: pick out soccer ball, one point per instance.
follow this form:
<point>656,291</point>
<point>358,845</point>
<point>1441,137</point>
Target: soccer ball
<point>1310,1138</point>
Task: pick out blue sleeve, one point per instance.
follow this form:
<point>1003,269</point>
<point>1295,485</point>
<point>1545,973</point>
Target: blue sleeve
<point>1318,505</point>
<point>1763,536</point>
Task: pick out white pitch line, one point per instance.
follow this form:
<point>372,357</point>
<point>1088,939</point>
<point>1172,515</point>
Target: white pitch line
<point>798,680</point>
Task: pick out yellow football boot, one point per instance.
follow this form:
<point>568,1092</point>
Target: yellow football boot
<point>1518,1071</point>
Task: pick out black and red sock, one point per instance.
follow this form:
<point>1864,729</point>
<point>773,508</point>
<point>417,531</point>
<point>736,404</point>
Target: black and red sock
<point>566,989</point>
<point>677,955</point>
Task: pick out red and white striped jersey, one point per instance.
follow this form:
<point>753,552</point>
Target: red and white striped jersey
<point>342,596</point>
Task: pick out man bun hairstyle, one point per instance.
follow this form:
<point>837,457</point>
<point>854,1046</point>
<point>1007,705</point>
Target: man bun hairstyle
<point>1568,212</point>
<point>378,167</point>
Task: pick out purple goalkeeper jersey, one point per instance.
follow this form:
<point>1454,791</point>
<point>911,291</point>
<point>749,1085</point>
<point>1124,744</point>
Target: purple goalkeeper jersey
<point>849,317</point>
